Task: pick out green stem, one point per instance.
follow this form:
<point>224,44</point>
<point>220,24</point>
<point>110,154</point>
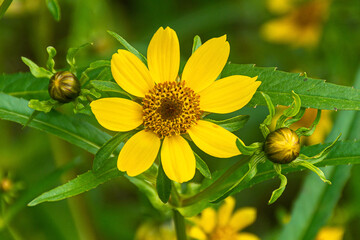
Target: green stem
<point>179,222</point>
<point>217,184</point>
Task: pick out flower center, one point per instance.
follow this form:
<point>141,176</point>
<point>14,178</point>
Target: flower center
<point>170,109</point>
<point>223,233</point>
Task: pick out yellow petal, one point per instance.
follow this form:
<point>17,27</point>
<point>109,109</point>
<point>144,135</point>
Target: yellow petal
<point>246,236</point>
<point>139,153</point>
<point>208,220</point>
<point>117,114</point>
<point>164,55</point>
<point>206,63</point>
<point>213,139</point>
<point>225,211</point>
<point>243,218</point>
<point>130,73</point>
<point>197,233</point>
<point>330,233</point>
<point>228,94</point>
<point>178,159</point>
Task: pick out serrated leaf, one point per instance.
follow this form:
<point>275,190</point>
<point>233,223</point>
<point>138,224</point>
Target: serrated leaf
<point>54,9</point>
<point>24,85</point>
<point>314,93</point>
<point>102,156</point>
<point>82,183</point>
<point>35,70</point>
<point>126,45</point>
<point>232,124</point>
<point>4,6</point>
<point>75,130</point>
<point>202,166</point>
<point>163,185</point>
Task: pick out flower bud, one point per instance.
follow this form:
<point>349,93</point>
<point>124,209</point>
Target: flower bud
<point>64,87</point>
<point>282,146</point>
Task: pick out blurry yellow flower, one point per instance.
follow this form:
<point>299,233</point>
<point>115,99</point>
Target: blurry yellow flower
<point>224,225</point>
<point>170,107</point>
<point>280,6</point>
<point>330,233</point>
<point>322,129</point>
<point>151,231</point>
<point>301,27</point>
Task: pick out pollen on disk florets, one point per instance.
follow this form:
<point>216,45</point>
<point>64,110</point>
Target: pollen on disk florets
<point>170,108</point>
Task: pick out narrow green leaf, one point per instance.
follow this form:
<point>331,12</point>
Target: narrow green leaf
<point>93,66</point>
<point>71,54</point>
<point>50,62</point>
<point>4,6</point>
<point>314,93</point>
<point>163,185</point>
<point>107,86</point>
<point>126,45</point>
<point>24,85</point>
<point>303,131</point>
<point>35,70</point>
<point>232,124</point>
<point>42,106</point>
<point>54,9</point>
<point>248,150</point>
<point>271,109</point>
<point>197,43</point>
<point>82,183</point>
<point>283,182</point>
<point>75,130</point>
<point>202,166</point>
<point>102,156</point>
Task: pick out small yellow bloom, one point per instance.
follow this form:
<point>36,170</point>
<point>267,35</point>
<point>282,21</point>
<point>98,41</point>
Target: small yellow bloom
<point>170,108</point>
<point>322,129</point>
<point>301,27</point>
<point>224,225</point>
<point>152,231</point>
<point>330,233</point>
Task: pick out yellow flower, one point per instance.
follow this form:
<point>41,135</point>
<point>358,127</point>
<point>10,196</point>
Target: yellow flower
<point>224,225</point>
<point>301,27</point>
<point>322,129</point>
<point>152,231</point>
<point>330,233</point>
<point>170,107</point>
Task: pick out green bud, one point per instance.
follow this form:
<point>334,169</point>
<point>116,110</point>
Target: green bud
<point>282,146</point>
<point>64,87</point>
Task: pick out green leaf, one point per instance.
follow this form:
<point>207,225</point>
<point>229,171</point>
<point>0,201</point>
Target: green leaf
<point>50,62</point>
<point>126,45</point>
<point>75,130</point>
<point>82,183</point>
<point>232,124</point>
<point>4,6</point>
<point>106,86</point>
<point>283,182</point>
<point>197,43</point>
<point>163,185</point>
<point>102,156</point>
<point>24,85</point>
<point>42,106</point>
<point>71,54</point>
<point>54,9</point>
<point>93,66</point>
<point>248,150</point>
<point>202,166</point>
<point>35,70</point>
<point>314,93</point>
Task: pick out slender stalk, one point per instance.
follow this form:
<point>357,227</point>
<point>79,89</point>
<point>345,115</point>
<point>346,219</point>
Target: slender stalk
<point>179,222</point>
<point>217,184</point>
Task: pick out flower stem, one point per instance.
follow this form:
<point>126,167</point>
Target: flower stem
<point>179,225</point>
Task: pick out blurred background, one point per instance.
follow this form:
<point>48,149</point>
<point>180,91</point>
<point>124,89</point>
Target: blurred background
<point>319,37</point>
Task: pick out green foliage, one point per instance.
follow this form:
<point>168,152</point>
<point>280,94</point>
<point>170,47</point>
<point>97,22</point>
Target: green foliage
<point>163,185</point>
<point>231,124</point>
<point>202,166</point>
<point>196,44</point>
<point>283,182</point>
<point>314,93</point>
<point>35,70</point>
<point>106,86</point>
<point>54,9</point>
<point>82,183</point>
<point>4,6</point>
<point>71,54</point>
<point>42,106</point>
<point>50,64</point>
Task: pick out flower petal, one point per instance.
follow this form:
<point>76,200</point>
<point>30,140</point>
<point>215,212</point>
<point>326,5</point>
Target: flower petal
<point>197,233</point>
<point>208,220</point>
<point>117,114</point>
<point>139,153</point>
<point>225,211</point>
<point>246,236</point>
<point>206,63</point>
<point>228,94</point>
<point>164,55</point>
<point>130,73</point>
<point>243,218</point>
<point>178,159</point>
<point>213,139</point>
